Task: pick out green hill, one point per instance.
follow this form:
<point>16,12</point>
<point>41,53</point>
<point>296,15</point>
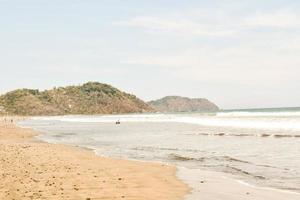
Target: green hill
<point>89,98</point>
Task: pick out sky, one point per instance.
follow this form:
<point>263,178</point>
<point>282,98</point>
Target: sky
<point>238,54</point>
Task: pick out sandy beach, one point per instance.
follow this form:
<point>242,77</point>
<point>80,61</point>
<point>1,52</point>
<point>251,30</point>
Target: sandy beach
<point>31,169</point>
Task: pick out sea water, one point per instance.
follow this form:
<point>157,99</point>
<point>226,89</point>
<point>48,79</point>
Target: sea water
<point>259,147</point>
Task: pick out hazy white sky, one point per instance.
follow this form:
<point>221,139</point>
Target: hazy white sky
<point>239,54</point>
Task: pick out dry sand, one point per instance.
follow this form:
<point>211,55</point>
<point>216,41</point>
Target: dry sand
<point>30,169</point>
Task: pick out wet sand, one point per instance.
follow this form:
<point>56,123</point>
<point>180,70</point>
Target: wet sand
<point>31,169</point>
<point>217,186</point>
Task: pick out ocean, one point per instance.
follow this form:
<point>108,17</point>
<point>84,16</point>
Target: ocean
<point>260,147</point>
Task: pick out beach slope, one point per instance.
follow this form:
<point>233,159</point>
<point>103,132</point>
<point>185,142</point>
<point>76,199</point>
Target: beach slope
<point>31,169</point>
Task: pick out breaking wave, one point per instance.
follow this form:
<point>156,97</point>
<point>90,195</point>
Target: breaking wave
<point>270,121</point>
<point>258,114</point>
<point>247,135</point>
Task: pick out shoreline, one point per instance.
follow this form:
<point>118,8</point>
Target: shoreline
<point>207,185</point>
<point>33,169</point>
<point>252,192</point>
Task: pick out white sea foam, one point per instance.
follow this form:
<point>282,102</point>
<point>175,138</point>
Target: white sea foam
<point>258,114</point>
<point>220,120</point>
<point>258,123</point>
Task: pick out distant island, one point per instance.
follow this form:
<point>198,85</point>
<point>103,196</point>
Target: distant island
<point>89,98</point>
<point>183,104</point>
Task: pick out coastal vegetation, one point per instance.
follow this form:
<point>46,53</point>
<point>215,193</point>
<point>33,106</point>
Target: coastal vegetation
<point>89,98</point>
